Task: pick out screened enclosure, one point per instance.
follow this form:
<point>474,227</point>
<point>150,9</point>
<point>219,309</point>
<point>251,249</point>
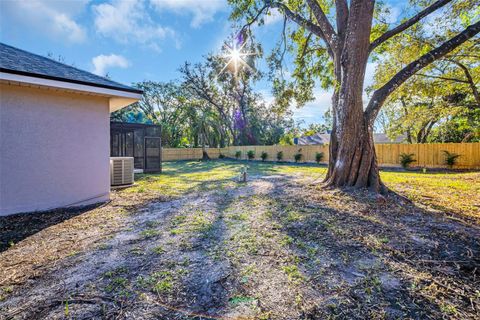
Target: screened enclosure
<point>140,141</point>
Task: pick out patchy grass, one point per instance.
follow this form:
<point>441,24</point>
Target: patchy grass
<point>452,193</point>
<point>149,233</point>
<point>193,243</point>
<point>456,194</point>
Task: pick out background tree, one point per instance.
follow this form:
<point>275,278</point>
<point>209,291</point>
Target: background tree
<point>244,117</point>
<point>443,95</point>
<point>203,110</point>
<point>199,81</point>
<point>337,53</point>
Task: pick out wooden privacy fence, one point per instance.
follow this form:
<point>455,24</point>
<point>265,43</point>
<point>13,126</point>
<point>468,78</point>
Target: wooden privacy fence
<point>426,155</point>
<point>172,154</point>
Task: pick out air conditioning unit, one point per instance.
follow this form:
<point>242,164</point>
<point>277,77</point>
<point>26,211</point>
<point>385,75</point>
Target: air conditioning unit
<point>121,171</point>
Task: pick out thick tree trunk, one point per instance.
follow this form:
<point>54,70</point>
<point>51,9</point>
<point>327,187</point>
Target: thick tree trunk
<point>352,154</point>
<point>353,161</point>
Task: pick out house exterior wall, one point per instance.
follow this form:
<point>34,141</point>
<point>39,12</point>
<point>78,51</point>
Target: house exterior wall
<point>54,149</point>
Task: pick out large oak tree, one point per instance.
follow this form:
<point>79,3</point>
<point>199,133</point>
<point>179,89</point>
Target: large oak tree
<point>344,33</point>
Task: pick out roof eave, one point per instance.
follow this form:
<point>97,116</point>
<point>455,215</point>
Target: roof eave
<point>119,98</point>
<point>47,77</point>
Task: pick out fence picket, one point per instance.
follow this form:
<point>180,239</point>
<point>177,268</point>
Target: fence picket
<point>429,155</point>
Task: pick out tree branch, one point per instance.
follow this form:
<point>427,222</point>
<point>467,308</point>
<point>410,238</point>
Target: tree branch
<point>407,24</point>
<point>255,18</point>
<point>380,95</point>
<point>470,81</point>
<point>442,78</point>
<point>284,38</point>
<point>301,21</point>
<point>307,40</point>
<point>325,25</point>
<point>341,8</point>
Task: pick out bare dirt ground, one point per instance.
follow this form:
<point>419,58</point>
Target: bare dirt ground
<point>277,247</point>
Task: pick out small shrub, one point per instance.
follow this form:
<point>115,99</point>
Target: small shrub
<point>297,157</point>
<point>264,156</point>
<point>406,159</point>
<point>319,157</point>
<point>251,154</point>
<point>450,158</point>
<point>279,155</point>
<point>221,156</point>
<point>238,154</point>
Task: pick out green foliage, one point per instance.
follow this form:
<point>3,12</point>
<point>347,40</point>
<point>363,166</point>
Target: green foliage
<point>251,154</point>
<point>286,139</point>
<point>158,282</point>
<point>293,273</point>
<point>451,158</point>
<point>238,154</point>
<point>438,104</point>
<point>197,110</point>
<point>298,156</point>
<point>66,312</point>
<point>464,126</point>
<point>406,159</point>
<point>264,156</point>
<point>221,156</point>
<point>149,233</point>
<point>324,127</point>
<point>159,250</point>
<point>319,157</point>
<point>425,94</point>
<point>279,155</point>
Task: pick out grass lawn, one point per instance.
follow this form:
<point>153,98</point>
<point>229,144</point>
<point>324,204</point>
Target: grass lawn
<point>455,194</point>
<point>193,243</point>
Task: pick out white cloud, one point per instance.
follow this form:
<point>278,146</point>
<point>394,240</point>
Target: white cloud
<point>54,18</point>
<point>313,111</point>
<point>102,62</point>
<point>128,21</point>
<point>64,25</point>
<point>202,10</point>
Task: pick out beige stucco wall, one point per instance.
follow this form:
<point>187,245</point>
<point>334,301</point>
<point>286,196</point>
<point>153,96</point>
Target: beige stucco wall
<point>54,149</point>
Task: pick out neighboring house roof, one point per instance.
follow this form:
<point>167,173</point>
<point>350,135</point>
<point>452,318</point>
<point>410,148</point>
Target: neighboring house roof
<point>324,138</point>
<point>20,62</point>
<point>383,138</point>
<point>317,138</point>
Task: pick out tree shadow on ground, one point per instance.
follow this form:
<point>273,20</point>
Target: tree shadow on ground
<point>403,260</point>
<point>273,248</point>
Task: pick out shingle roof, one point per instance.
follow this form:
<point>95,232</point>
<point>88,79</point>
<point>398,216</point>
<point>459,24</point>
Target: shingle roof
<point>317,138</point>
<point>17,61</point>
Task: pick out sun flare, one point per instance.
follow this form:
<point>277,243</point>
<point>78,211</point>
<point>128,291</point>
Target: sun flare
<point>235,57</point>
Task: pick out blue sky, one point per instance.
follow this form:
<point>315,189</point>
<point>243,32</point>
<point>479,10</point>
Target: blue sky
<point>134,40</point>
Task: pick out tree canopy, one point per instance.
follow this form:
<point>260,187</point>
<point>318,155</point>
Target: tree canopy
<point>332,42</point>
<point>208,106</point>
<point>441,103</point>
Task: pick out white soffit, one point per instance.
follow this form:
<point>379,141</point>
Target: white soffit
<point>118,98</point>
